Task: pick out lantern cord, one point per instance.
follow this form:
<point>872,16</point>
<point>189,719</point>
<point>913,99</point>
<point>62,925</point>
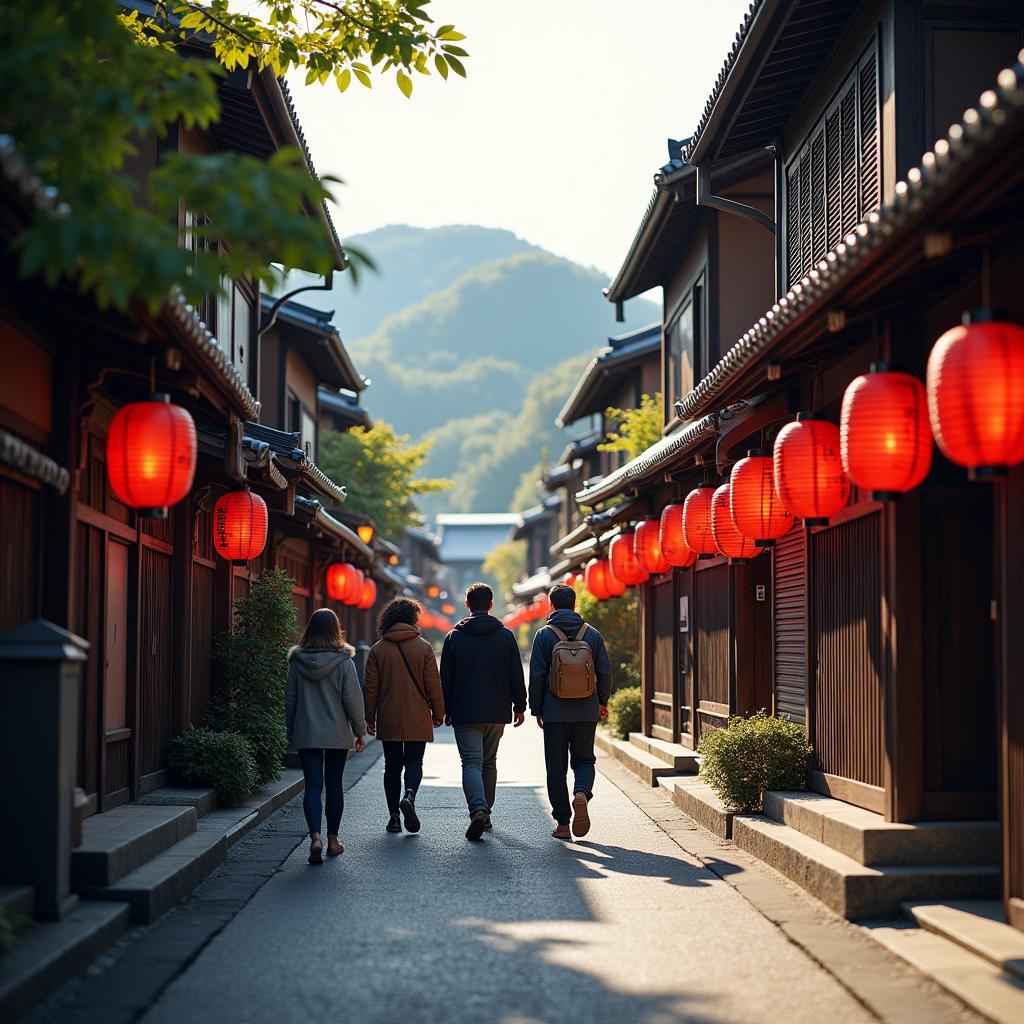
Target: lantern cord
<point>986,285</point>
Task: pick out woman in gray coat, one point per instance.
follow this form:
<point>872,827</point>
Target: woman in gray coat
<point>325,719</point>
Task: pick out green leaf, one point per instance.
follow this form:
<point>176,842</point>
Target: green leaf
<point>456,65</point>
<point>404,83</point>
<point>362,76</point>
<point>457,50</point>
<point>442,66</point>
<point>343,80</point>
<point>450,34</point>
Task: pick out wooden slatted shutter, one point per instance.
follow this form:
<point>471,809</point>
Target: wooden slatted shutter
<point>789,589</point>
<point>834,179</point>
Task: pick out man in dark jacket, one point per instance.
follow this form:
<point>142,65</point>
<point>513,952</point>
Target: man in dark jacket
<point>482,678</point>
<point>569,724</point>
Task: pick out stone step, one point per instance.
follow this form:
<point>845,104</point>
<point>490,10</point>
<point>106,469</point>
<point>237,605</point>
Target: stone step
<point>979,926</point>
<point>676,756</point>
<point>152,889</point>
<point>203,800</point>
<point>869,839</point>
<point>854,890</point>
<point>53,952</point>
<point>117,842</point>
<point>697,799</point>
<point>973,979</point>
<point>645,766</point>
<point>18,900</point>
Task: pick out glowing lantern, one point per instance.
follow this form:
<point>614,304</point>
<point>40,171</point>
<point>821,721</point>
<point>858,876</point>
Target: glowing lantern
<point>809,474</point>
<point>697,521</point>
<point>647,547</point>
<point>884,438</point>
<point>344,583</point>
<point>151,455</point>
<point>368,598</point>
<point>756,507</point>
<point>366,532</point>
<point>730,541</point>
<point>595,576</point>
<point>976,395</point>
<point>571,579</point>
<point>240,525</point>
<point>674,548</point>
<point>624,561</point>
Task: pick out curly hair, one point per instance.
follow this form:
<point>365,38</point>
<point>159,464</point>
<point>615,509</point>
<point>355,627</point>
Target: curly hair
<point>397,610</point>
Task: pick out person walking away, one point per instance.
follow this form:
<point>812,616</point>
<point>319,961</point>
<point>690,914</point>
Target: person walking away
<point>324,719</point>
<point>484,690</point>
<point>570,683</point>
<point>404,704</point>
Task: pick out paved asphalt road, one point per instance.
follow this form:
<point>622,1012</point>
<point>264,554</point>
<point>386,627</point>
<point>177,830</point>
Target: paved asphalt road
<point>516,929</point>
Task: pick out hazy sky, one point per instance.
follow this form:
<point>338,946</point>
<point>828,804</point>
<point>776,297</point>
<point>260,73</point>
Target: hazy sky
<point>555,134</point>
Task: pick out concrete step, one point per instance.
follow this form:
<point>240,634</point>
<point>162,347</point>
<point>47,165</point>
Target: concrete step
<point>854,890</point>
<point>18,900</point>
<point>203,800</point>
<point>117,842</point>
<point>53,952</point>
<point>697,799</point>
<point>676,756</point>
<point>868,838</point>
<point>973,979</point>
<point>152,889</point>
<point>647,767</point>
<point>979,926</point>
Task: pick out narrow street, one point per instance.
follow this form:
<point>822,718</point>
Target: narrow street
<point>622,926</point>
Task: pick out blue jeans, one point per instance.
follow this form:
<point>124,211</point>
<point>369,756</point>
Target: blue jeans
<point>323,767</point>
<point>478,748</point>
<point>399,755</point>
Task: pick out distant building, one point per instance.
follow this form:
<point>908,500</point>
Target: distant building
<point>467,539</point>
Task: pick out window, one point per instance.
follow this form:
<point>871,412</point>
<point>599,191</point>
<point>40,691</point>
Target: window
<point>685,349</point>
<point>834,179</point>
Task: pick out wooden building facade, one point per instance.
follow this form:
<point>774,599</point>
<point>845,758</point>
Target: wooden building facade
<point>800,236</point>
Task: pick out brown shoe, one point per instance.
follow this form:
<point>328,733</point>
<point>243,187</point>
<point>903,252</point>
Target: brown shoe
<point>562,832</point>
<point>316,850</point>
<point>334,847</point>
<point>477,824</point>
<point>580,815</point>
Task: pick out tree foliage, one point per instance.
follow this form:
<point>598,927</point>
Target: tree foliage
<point>84,83</point>
<point>637,429</point>
<point>505,563</point>
<point>379,467</point>
<point>618,621</point>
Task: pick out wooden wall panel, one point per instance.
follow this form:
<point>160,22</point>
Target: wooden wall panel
<point>665,676</point>
<point>848,734</point>
<point>789,595</point>
<point>712,622</point>
<point>87,622</point>
<point>201,639</point>
<point>155,661</point>
<point>19,553</point>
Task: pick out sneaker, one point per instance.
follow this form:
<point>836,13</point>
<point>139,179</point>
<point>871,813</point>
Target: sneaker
<point>562,832</point>
<point>408,808</point>
<point>580,815</point>
<point>394,824</point>
<point>477,824</point>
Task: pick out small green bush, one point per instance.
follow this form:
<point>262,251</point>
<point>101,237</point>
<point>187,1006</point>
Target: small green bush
<point>9,927</point>
<point>223,760</point>
<point>624,714</point>
<point>753,755</point>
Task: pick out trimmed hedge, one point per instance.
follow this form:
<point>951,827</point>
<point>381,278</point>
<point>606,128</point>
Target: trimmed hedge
<point>752,755</point>
<point>223,760</point>
<point>624,711</point>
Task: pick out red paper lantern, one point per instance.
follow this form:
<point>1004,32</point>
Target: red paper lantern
<point>647,547</point>
<point>739,548</point>
<point>624,561</point>
<point>614,586</point>
<point>596,579</point>
<point>697,521</point>
<point>344,583</point>
<point>571,579</point>
<point>674,548</point>
<point>756,507</point>
<point>240,525</point>
<point>151,455</point>
<point>368,598</point>
<point>884,437</point>
<point>809,474</point>
<point>976,394</point>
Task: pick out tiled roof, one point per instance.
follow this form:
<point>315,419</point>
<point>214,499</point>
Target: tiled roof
<point>32,463</point>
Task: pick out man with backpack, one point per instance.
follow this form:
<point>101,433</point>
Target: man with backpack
<point>484,690</point>
<point>570,683</point>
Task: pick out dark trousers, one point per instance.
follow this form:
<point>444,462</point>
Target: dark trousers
<point>323,768</point>
<point>399,756</point>
<point>568,744</point>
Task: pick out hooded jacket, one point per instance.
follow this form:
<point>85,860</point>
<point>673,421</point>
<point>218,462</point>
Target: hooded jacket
<point>482,672</point>
<point>403,709</point>
<point>542,701</point>
<point>323,701</point>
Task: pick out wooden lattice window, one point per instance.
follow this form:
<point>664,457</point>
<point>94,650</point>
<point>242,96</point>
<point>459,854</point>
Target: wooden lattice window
<point>834,179</point>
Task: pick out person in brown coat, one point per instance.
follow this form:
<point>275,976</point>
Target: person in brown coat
<point>404,703</point>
